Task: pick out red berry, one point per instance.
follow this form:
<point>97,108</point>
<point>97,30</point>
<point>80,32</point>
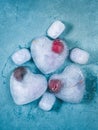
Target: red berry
<point>55,85</point>
<point>57,46</point>
<point>19,73</point>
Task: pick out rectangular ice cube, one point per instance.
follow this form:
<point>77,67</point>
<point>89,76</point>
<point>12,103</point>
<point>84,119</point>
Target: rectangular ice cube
<point>21,56</point>
<point>47,101</point>
<point>55,29</point>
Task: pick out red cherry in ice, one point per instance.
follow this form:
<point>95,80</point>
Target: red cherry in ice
<point>57,46</point>
<point>19,73</point>
<point>55,85</point>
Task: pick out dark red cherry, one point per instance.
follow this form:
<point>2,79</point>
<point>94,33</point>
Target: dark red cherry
<point>57,46</point>
<point>19,73</point>
<point>55,85</point>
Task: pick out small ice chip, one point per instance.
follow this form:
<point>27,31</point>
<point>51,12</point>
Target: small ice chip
<point>79,56</point>
<point>47,101</point>
<point>21,56</point>
<point>55,29</point>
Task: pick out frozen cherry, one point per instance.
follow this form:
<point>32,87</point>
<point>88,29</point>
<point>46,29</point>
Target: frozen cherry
<point>57,46</point>
<point>55,85</point>
<point>19,73</point>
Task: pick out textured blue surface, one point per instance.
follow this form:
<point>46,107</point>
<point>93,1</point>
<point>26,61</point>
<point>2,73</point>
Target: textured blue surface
<point>20,22</point>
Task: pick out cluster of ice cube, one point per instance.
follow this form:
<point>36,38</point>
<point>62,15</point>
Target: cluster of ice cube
<point>49,54</point>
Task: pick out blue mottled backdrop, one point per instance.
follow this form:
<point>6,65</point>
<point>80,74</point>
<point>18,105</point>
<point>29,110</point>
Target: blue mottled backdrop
<point>20,22</point>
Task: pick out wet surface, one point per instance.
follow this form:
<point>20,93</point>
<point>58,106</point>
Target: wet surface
<point>20,22</point>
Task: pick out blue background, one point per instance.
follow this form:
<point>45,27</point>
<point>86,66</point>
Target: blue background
<point>20,22</point>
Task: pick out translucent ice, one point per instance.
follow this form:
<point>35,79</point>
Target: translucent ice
<point>47,101</point>
<point>55,29</point>
<point>25,86</point>
<point>79,56</point>
<point>21,56</point>
<point>47,55</point>
<point>73,84</point>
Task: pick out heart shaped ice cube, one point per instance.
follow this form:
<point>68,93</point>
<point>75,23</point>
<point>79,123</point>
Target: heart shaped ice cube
<point>48,55</point>
<point>70,85</point>
<point>25,86</point>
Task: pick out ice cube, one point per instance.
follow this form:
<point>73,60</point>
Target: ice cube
<point>25,86</point>
<point>47,101</point>
<point>73,84</point>
<point>47,54</point>
<point>55,29</point>
<point>21,56</point>
<point>79,56</point>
